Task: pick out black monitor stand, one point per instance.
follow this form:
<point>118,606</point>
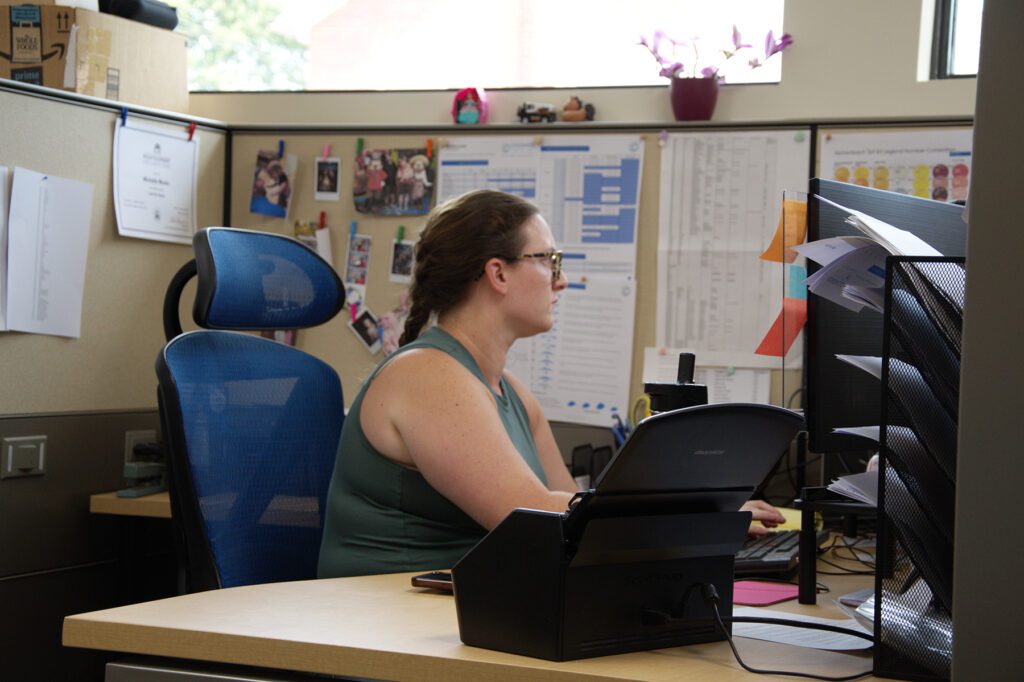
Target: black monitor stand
<point>623,569</point>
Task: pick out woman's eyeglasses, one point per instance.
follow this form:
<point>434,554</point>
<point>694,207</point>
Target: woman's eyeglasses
<point>555,258</point>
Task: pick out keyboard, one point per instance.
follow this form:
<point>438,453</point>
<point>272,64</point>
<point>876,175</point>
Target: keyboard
<point>776,552</point>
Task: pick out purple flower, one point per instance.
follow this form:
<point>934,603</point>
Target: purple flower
<point>737,41</point>
<point>772,47</point>
<point>670,70</point>
<point>656,42</point>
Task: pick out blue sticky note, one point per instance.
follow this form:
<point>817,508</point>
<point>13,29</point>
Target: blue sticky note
<point>797,286</point>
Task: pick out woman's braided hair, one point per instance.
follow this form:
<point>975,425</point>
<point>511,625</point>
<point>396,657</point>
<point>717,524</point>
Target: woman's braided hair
<point>460,236</point>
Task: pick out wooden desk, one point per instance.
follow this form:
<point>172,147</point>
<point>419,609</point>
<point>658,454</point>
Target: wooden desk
<point>286,510</point>
<point>157,505</point>
<point>380,627</point>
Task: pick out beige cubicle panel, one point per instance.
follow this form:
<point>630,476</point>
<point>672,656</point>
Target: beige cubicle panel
<point>110,367</point>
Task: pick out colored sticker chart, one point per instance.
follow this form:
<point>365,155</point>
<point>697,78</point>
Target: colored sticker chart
<point>587,187</point>
<point>928,163</point>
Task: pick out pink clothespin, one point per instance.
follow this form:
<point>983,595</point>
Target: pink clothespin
<point>327,151</point>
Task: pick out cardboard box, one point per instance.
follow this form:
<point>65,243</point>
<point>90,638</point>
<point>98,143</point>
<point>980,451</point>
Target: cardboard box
<point>94,54</point>
<point>34,43</point>
<point>124,60</point>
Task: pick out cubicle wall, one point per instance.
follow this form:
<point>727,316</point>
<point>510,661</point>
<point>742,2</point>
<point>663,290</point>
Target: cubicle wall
<point>125,279</point>
<point>334,342</point>
<point>83,394</point>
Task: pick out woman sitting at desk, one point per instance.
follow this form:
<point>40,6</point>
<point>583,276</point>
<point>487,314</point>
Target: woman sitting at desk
<point>441,443</point>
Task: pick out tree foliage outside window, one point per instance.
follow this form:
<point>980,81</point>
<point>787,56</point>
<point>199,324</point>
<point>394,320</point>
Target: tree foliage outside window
<point>232,45</point>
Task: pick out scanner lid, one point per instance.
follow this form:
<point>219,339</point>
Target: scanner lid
<point>723,446</point>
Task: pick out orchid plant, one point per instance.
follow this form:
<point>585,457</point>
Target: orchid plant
<point>671,67</point>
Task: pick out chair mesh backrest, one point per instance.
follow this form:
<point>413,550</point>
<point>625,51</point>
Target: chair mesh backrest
<point>256,280</point>
<point>260,423</point>
<point>252,424</point>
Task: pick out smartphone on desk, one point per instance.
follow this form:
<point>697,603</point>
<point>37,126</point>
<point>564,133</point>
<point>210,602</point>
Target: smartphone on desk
<point>435,580</point>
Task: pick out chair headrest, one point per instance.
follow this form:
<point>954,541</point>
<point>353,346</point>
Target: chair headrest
<point>251,280</point>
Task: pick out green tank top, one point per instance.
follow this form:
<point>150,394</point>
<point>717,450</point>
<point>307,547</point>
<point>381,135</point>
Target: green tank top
<point>382,517</point>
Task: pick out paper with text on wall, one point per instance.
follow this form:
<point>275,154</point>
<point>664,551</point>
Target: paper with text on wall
<point>725,384</point>
<point>587,187</point>
<point>928,163</point>
<point>47,248</point>
<point>3,247</point>
<point>721,197</point>
<point>155,171</point>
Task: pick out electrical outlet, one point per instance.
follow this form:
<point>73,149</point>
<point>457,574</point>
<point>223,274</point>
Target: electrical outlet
<point>23,456</point>
<point>131,438</point>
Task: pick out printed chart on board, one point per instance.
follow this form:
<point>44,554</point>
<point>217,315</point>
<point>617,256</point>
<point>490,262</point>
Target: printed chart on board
<point>588,190</point>
<point>721,198</point>
<point>928,163</point>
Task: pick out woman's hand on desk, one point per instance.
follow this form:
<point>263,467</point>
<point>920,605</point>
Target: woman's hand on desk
<point>768,516</point>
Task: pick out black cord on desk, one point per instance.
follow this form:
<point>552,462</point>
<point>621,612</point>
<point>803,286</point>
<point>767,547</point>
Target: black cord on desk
<point>842,543</point>
<point>710,595</point>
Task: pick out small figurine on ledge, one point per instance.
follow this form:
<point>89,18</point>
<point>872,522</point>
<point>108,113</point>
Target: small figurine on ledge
<point>575,110</point>
<point>470,106</point>
<point>536,112</point>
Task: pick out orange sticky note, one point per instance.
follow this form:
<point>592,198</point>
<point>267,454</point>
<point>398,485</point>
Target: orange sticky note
<point>785,329</point>
<point>792,230</point>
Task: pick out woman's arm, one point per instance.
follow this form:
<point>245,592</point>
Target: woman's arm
<point>427,411</point>
<point>551,460</point>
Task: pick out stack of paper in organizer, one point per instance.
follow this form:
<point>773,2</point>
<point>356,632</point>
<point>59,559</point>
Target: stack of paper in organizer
<point>852,270</point>
<point>862,487</point>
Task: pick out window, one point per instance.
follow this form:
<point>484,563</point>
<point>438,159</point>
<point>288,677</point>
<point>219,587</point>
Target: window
<point>448,44</point>
<point>957,42</point>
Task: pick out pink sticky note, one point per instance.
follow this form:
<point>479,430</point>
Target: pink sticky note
<point>754,593</point>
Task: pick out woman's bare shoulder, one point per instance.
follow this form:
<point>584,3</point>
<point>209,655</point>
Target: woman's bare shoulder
<point>420,372</point>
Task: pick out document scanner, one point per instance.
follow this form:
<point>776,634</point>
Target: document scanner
<point>622,569</point>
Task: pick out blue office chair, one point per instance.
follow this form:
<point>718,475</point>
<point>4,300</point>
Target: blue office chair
<point>251,425</point>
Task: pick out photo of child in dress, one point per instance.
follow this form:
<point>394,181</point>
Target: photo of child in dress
<point>393,182</point>
<point>272,184</point>
<point>327,185</point>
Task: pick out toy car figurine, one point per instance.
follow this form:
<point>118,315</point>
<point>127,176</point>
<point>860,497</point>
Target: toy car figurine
<point>535,112</point>
<point>575,110</point>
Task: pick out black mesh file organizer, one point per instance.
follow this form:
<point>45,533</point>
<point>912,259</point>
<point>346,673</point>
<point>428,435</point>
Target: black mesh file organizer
<point>921,385</point>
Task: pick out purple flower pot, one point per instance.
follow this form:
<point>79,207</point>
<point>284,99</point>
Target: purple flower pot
<point>693,99</point>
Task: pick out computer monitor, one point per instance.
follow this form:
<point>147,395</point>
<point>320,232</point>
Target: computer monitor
<point>838,394</point>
